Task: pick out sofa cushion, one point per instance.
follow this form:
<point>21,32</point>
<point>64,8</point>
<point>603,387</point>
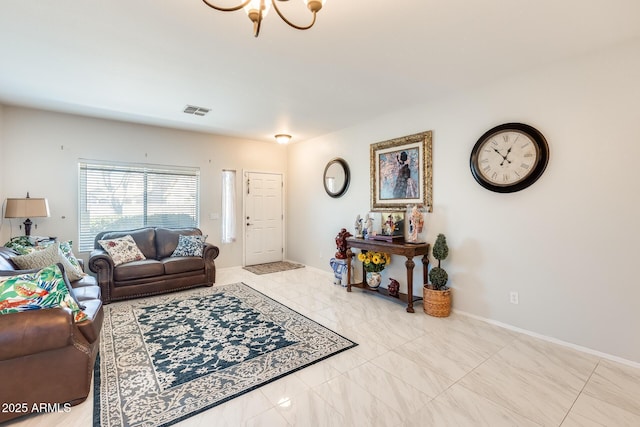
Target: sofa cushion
<point>46,257</point>
<point>86,293</point>
<point>138,270</point>
<point>46,288</point>
<point>175,265</point>
<point>122,250</point>
<point>145,239</point>
<point>85,281</point>
<point>189,246</point>
<point>167,239</point>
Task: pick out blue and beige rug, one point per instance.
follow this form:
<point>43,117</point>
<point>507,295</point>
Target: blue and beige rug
<point>170,357</point>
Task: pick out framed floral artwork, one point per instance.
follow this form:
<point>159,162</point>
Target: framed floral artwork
<point>402,173</point>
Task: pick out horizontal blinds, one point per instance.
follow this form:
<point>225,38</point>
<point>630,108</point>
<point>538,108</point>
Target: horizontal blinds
<point>128,196</point>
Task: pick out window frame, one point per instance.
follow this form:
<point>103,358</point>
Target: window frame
<point>86,235</point>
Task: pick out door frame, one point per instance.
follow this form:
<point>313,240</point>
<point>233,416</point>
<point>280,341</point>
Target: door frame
<point>245,172</point>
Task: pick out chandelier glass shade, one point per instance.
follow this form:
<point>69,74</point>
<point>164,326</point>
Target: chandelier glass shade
<point>257,9</point>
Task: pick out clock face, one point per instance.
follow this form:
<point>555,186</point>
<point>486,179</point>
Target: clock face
<point>509,157</point>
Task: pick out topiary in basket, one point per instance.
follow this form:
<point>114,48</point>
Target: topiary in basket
<point>437,296</point>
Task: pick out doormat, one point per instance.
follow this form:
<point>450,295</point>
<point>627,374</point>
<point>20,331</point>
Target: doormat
<point>272,267</point>
<point>164,359</point>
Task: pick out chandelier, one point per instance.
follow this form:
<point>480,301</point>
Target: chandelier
<point>258,9</point>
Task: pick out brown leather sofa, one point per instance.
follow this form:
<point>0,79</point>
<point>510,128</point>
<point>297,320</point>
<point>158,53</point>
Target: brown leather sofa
<point>45,357</point>
<point>159,272</point>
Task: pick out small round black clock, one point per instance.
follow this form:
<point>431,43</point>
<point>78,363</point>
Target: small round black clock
<point>509,157</point>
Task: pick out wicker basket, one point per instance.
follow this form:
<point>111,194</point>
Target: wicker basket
<point>437,303</point>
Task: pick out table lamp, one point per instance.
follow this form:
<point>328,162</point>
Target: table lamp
<point>27,208</point>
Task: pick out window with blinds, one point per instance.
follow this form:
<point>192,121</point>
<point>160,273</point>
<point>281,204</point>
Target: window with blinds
<point>123,196</point>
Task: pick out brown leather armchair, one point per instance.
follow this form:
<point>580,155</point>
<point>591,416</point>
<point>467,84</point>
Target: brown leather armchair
<point>159,272</point>
<point>45,357</point>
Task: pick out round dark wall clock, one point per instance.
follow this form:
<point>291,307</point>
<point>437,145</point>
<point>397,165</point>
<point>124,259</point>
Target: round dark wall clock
<point>509,157</point>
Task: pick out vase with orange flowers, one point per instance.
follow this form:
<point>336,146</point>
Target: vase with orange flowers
<point>374,263</point>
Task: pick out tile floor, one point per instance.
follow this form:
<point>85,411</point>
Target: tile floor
<point>415,370</point>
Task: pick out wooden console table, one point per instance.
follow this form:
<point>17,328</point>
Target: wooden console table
<point>406,249</point>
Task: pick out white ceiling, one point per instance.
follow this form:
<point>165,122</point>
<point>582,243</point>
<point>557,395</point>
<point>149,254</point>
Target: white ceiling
<point>144,60</point>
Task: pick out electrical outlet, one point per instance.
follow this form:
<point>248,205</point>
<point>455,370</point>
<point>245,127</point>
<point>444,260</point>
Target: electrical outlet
<point>513,297</point>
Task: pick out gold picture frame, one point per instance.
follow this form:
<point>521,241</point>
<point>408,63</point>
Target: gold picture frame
<point>402,173</point>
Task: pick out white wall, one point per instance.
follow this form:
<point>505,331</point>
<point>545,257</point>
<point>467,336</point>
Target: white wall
<point>568,244</point>
<point>2,166</point>
<point>41,152</point>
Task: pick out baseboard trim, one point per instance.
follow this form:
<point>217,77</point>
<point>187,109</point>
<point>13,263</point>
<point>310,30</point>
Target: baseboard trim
<point>529,333</point>
<point>552,340</point>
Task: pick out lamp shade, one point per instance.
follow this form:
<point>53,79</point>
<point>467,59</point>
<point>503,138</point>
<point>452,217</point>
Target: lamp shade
<point>26,208</point>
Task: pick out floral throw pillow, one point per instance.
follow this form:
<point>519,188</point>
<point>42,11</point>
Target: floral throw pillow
<point>189,246</point>
<point>20,244</point>
<point>122,250</point>
<point>67,251</point>
<point>45,288</point>
<point>46,257</point>
<point>65,248</point>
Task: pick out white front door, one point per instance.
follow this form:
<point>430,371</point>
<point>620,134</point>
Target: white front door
<point>264,218</point>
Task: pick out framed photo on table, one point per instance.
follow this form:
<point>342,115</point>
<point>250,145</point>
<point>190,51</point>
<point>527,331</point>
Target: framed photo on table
<point>402,173</point>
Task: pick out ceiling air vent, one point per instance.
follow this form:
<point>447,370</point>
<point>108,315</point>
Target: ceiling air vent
<point>198,111</point>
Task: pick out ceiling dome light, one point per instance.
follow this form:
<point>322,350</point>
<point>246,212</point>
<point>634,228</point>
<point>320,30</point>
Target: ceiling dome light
<point>257,9</point>
<point>283,138</point>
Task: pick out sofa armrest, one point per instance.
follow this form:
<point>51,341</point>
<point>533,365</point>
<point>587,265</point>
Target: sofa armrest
<point>98,255</point>
<point>101,263</point>
<point>210,252</point>
<point>34,331</point>
<point>91,327</point>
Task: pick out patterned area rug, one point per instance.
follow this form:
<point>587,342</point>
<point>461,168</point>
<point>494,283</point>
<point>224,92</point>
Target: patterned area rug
<point>272,267</point>
<point>166,358</point>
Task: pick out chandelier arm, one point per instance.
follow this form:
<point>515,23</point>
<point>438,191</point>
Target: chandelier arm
<point>257,24</point>
<point>226,9</point>
<point>297,27</point>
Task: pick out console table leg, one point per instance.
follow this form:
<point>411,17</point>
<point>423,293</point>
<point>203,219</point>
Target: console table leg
<point>425,269</point>
<point>410,264</point>
<point>349,255</point>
